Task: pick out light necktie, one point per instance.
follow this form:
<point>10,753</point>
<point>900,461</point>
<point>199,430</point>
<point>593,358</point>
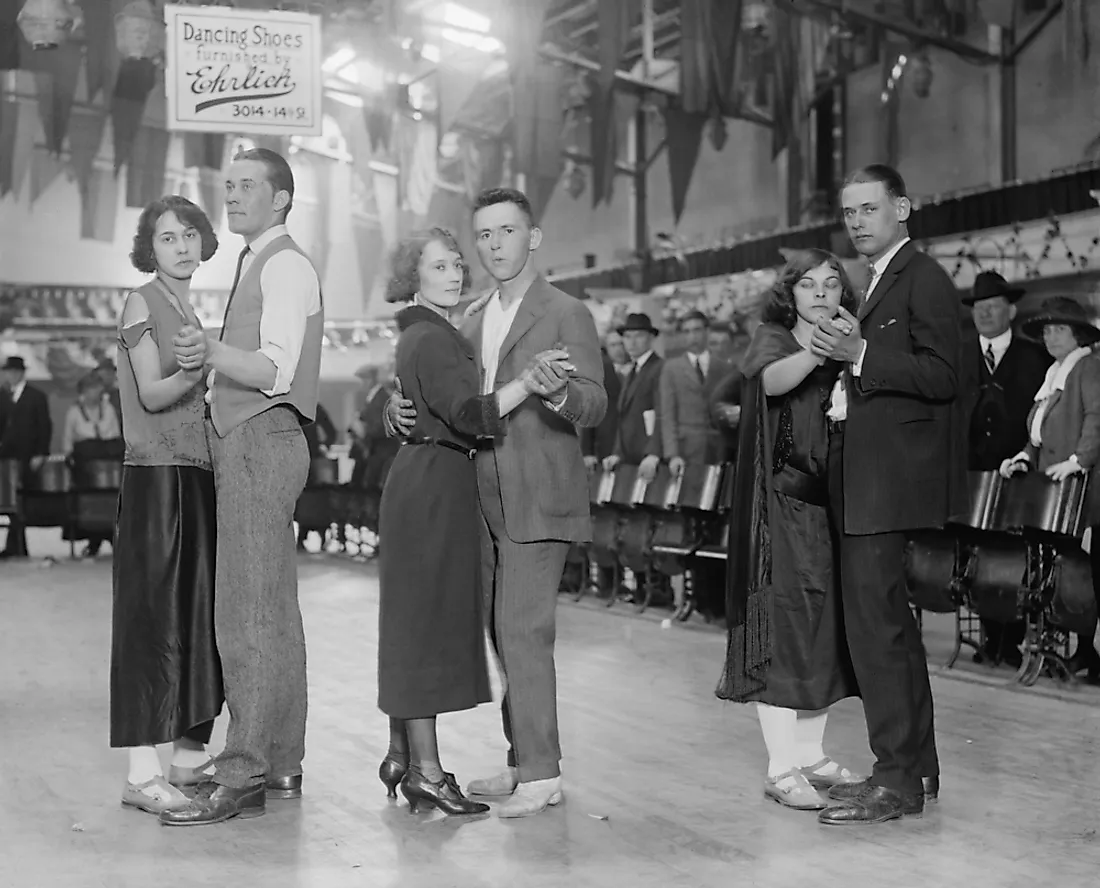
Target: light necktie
<point>990,358</point>
<point>233,290</point>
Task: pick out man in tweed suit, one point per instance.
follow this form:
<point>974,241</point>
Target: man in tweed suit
<point>532,484</point>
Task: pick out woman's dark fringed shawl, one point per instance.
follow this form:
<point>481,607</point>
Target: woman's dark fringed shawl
<point>748,576</point>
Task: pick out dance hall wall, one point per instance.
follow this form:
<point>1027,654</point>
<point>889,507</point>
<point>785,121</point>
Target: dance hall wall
<point>40,240</point>
<point>949,141</point>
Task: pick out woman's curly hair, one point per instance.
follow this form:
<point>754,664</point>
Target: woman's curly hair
<point>142,256</point>
<point>404,282</point>
<point>780,306</point>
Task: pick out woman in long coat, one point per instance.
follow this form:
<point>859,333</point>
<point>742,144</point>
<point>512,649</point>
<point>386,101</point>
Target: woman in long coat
<point>431,649</point>
<point>1064,430</point>
<point>787,650</point>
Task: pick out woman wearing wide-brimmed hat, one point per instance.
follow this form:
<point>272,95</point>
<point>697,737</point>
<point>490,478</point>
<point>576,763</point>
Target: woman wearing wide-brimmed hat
<point>1064,425</point>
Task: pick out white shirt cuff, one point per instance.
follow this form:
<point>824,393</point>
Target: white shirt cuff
<point>857,367</point>
<point>557,408</point>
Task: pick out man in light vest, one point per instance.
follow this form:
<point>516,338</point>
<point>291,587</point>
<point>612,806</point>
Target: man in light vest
<point>265,367</point>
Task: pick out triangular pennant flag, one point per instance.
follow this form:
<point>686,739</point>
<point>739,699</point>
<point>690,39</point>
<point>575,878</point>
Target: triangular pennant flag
<point>45,167</point>
<point>85,140</point>
<point>204,150</point>
<point>99,207</point>
<point>460,70</point>
<point>616,18</point>
<point>147,166</point>
<point>136,79</point>
<point>372,259</point>
<point>9,119</point>
<point>211,190</point>
<point>55,81</point>
<point>684,135</point>
<point>10,40</point>
<point>100,45</point>
<point>26,134</point>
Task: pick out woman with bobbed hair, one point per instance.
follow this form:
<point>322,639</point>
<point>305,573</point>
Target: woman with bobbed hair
<point>431,650</point>
<point>786,649</point>
<point>166,683</point>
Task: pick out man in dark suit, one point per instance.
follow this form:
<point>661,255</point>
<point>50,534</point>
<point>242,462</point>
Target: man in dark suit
<point>638,442</point>
<point>599,442</point>
<point>895,465</point>
<point>1001,373</point>
<point>25,432</point>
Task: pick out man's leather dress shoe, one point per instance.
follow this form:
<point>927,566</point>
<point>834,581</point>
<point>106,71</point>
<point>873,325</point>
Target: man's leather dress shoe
<point>284,787</point>
<point>874,804</point>
<point>850,790</point>
<point>216,804</point>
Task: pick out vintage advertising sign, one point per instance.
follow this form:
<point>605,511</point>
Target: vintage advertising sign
<point>243,71</point>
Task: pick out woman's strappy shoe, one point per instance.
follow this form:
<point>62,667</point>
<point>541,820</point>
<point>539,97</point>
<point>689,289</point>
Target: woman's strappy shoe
<point>444,795</point>
<point>793,790</point>
<point>833,775</point>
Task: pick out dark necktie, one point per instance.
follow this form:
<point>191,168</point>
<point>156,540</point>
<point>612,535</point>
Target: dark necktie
<point>699,370</point>
<point>990,359</point>
<point>233,290</point>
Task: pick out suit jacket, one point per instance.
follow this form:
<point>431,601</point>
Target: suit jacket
<point>727,392</point>
<point>904,443</point>
<point>638,397</point>
<point>996,405</point>
<point>25,425</point>
<point>600,441</point>
<point>538,461</point>
<point>683,410</point>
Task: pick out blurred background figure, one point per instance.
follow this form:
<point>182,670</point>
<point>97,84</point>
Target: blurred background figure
<point>25,432</point>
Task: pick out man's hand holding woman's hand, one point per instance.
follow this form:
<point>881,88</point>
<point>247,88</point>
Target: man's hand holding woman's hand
<point>191,348</point>
<point>548,373</point>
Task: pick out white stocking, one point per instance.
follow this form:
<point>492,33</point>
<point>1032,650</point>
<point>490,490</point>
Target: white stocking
<point>810,737</point>
<point>778,725</point>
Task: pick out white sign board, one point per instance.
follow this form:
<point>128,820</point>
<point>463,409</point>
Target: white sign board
<point>243,71</point>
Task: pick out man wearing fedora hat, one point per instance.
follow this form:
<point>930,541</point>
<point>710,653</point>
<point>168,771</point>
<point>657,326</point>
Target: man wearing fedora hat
<point>1001,372</point>
<point>638,442</point>
<point>25,432</point>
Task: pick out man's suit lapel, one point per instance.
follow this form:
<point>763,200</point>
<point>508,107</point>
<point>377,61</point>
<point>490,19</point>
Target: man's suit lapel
<point>531,308</point>
<point>889,276</point>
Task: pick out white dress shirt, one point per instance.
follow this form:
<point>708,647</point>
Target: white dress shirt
<point>700,362</point>
<point>17,392</point>
<point>838,406</point>
<point>999,344</point>
<point>494,330</point>
<point>291,293</point>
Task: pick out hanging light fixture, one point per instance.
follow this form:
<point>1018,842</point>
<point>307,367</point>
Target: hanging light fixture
<point>575,179</point>
<point>46,23</point>
<point>137,30</point>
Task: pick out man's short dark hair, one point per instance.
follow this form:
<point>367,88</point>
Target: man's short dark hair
<point>279,173</point>
<point>695,315</point>
<point>492,196</point>
<point>878,172</point>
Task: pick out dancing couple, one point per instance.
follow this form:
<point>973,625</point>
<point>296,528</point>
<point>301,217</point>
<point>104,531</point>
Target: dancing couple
<point>205,576</point>
<point>490,482</point>
<point>849,438</point>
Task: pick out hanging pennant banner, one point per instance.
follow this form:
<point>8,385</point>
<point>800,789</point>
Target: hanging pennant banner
<point>243,71</point>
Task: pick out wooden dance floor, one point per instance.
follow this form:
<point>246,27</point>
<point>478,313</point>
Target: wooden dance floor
<point>663,782</point>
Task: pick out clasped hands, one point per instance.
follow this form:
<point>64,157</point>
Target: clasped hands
<point>839,338</point>
<point>192,349</point>
<point>1016,465</point>
<point>546,376</point>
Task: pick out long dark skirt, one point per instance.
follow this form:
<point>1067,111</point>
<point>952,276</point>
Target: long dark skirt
<point>810,665</point>
<point>166,677</point>
<point>431,635</point>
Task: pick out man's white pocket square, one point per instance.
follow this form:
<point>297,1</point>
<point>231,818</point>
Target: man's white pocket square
<point>888,323</point>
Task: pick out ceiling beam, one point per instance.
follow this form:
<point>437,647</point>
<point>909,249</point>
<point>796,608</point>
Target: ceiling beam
<point>909,30</point>
<point>629,81</point>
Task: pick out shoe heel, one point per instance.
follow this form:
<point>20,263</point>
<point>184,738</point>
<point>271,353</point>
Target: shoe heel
<point>391,773</point>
